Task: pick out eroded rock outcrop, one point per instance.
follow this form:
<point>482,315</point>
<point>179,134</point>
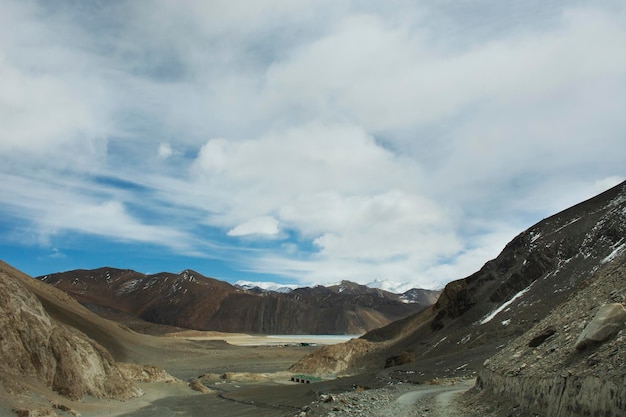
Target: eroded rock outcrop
<point>146,373</point>
<point>335,359</point>
<point>33,345</point>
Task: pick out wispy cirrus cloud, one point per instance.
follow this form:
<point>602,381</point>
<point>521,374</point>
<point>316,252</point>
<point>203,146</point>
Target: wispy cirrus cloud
<point>52,210</point>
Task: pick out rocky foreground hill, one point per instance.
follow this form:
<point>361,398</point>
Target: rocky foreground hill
<point>550,280</point>
<point>193,301</point>
<point>573,362</point>
<point>38,350</point>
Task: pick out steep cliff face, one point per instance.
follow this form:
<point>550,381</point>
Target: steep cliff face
<point>34,345</point>
<point>537,271</point>
<point>542,264</point>
<point>193,301</point>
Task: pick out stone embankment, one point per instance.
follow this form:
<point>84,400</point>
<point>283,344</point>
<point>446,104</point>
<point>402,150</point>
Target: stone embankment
<point>560,396</point>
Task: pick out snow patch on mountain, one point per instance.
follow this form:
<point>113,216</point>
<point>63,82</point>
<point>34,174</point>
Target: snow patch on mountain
<point>385,285</point>
<point>505,305</point>
<point>265,286</point>
<point>391,286</point>
<point>618,250</point>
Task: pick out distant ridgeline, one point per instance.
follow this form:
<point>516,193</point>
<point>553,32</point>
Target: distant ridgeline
<point>193,301</point>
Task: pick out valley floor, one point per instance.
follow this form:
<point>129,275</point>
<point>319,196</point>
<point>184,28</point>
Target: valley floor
<point>402,400</point>
<point>185,360</point>
<point>253,381</point>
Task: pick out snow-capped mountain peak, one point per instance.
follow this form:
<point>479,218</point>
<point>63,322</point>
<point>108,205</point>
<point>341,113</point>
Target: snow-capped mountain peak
<point>265,286</point>
<point>385,285</point>
<point>390,286</point>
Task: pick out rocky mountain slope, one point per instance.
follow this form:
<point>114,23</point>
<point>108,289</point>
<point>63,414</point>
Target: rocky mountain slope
<point>191,300</point>
<point>474,317</point>
<point>38,349</point>
<point>573,362</point>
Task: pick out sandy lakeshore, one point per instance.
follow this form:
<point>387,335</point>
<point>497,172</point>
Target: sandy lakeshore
<point>242,339</point>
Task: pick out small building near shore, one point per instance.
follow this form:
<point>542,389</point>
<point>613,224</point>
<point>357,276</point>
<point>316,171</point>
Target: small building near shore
<point>305,379</point>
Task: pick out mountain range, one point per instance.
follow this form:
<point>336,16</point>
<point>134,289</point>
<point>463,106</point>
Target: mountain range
<point>382,284</point>
<point>193,301</point>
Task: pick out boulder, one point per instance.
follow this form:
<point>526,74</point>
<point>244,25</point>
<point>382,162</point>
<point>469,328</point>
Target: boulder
<point>608,321</point>
<point>197,385</point>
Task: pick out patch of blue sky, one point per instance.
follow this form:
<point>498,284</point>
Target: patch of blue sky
<point>79,251</point>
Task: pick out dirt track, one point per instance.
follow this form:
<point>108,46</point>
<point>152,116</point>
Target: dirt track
<point>438,401</point>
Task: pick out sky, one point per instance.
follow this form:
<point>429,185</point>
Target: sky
<point>301,142</point>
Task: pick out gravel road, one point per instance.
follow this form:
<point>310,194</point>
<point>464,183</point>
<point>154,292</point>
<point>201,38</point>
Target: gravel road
<point>398,400</point>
